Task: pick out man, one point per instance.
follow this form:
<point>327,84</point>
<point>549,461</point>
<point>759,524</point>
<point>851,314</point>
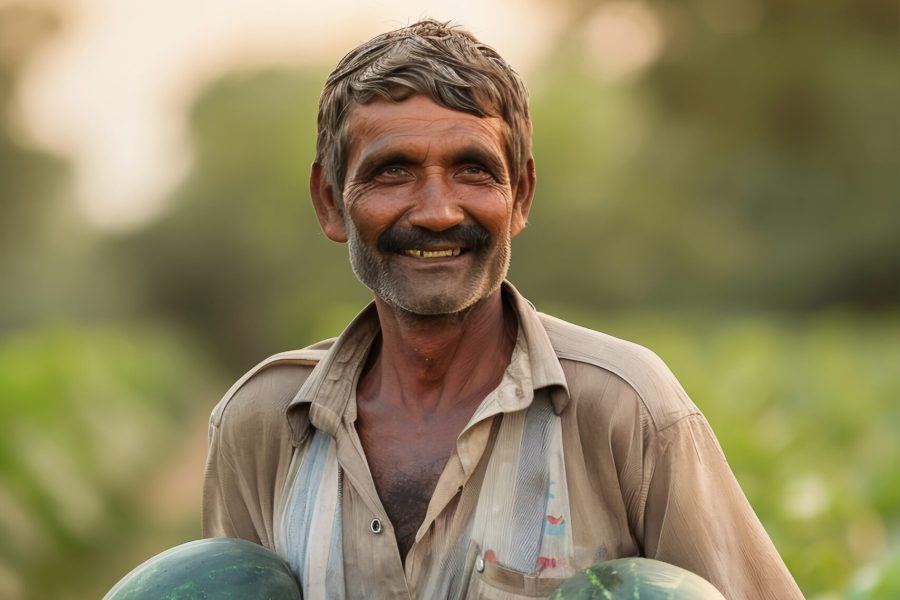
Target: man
<point>453,442</point>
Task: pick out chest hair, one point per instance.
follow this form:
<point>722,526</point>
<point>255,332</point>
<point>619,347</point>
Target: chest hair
<point>406,467</point>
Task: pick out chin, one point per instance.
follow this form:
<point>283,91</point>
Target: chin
<point>447,301</point>
<point>435,307</point>
<point>431,305</point>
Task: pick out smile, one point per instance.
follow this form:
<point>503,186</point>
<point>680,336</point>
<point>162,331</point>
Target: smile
<point>416,253</point>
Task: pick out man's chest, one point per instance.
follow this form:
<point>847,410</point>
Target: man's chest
<point>405,465</point>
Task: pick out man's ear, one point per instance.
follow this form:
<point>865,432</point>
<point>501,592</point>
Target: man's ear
<point>327,205</point>
<point>523,194</point>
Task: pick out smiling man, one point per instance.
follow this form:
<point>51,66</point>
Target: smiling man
<point>453,442</point>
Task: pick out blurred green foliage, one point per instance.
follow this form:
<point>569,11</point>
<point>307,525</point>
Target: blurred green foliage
<point>733,207</point>
<point>88,414</point>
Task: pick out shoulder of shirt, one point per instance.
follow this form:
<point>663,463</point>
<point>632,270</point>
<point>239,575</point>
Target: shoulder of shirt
<point>270,385</point>
<point>660,393</point>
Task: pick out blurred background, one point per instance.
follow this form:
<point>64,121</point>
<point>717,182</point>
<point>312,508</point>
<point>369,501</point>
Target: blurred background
<point>718,180</point>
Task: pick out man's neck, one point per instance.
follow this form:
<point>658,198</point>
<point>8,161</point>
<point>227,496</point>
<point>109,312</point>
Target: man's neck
<point>429,365</point>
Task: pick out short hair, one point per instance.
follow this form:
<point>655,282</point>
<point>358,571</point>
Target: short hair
<point>437,59</point>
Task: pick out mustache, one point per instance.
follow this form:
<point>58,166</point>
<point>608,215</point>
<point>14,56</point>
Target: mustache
<point>468,236</point>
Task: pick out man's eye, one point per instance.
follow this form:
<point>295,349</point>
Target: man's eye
<point>393,173</point>
<point>474,173</point>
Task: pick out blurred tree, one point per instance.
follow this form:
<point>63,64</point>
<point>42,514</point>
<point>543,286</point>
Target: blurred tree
<point>26,176</point>
<point>49,261</point>
<point>30,181</point>
<point>240,259</point>
<point>754,164</point>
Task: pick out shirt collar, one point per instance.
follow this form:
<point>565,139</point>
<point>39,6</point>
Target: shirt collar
<point>546,372</point>
<point>329,387</point>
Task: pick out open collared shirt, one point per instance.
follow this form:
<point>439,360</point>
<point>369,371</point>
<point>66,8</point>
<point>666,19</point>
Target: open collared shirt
<point>588,450</point>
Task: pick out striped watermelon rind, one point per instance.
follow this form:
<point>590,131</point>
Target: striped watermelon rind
<point>635,579</point>
<point>214,569</point>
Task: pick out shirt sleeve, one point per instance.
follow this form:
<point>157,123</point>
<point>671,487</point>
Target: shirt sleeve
<point>224,513</point>
<point>697,517</point>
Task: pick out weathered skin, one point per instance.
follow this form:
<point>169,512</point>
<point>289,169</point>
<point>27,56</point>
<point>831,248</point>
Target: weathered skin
<point>416,173</point>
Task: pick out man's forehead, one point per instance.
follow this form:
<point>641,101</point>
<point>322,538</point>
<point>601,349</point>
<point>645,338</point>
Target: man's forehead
<point>383,122</point>
<point>416,107</point>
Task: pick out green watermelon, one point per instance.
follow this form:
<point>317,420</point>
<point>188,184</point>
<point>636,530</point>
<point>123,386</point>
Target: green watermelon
<point>211,569</point>
<point>635,579</point>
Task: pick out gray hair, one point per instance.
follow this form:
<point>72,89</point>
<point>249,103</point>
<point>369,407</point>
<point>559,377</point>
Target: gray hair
<point>444,62</point>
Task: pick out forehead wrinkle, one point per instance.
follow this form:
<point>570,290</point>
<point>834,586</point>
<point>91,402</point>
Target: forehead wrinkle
<point>416,143</point>
<point>379,135</point>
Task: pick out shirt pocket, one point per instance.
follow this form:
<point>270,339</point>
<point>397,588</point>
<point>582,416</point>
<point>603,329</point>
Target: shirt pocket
<point>492,581</point>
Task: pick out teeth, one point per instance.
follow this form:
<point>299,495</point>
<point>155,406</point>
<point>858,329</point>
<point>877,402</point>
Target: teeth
<point>416,253</point>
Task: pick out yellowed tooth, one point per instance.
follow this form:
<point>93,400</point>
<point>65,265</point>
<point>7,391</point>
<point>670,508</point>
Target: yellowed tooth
<point>437,253</point>
<point>416,253</point>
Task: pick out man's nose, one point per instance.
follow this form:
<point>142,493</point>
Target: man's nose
<point>436,206</point>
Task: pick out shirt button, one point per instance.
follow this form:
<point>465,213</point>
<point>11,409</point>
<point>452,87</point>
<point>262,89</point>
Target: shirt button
<point>375,526</point>
<point>479,564</point>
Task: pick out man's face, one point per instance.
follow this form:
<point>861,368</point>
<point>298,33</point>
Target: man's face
<point>429,208</point>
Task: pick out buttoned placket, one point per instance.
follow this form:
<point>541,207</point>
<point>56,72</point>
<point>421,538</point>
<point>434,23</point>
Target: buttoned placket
<point>388,566</point>
<point>472,444</point>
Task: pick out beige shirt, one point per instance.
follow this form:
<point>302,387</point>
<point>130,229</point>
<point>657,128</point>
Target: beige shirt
<point>589,449</point>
